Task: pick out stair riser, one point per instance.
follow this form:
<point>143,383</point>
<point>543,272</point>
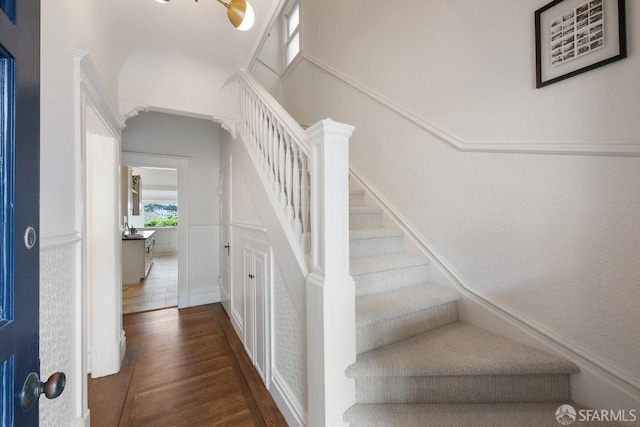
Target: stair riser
<point>373,247</point>
<point>356,199</point>
<point>387,280</point>
<point>464,389</point>
<point>399,328</point>
<point>360,221</point>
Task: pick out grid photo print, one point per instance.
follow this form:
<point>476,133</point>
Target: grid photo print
<point>577,32</point>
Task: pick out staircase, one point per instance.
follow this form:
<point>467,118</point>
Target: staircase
<point>417,364</point>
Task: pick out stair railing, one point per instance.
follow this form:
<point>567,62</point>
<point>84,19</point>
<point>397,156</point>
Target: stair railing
<point>314,163</point>
<point>282,148</point>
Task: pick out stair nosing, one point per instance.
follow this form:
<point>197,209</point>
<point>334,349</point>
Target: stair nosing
<point>364,210</point>
<point>374,233</point>
<point>394,311</point>
<point>380,263</point>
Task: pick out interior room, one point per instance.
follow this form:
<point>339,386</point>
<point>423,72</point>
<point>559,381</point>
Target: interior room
<point>365,214</point>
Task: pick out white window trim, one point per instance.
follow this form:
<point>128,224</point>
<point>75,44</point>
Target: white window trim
<point>287,38</point>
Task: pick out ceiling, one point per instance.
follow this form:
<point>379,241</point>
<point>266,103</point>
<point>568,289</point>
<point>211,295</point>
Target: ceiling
<point>171,56</point>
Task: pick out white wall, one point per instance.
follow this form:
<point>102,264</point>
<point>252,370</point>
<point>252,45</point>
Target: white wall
<point>199,140</point>
<point>269,64</point>
<point>554,238</point>
<point>59,217</point>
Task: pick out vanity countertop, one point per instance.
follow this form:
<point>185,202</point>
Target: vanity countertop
<point>140,235</point>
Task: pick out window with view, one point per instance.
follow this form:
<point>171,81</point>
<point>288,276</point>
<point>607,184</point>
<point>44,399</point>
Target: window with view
<point>160,215</point>
<point>292,26</point>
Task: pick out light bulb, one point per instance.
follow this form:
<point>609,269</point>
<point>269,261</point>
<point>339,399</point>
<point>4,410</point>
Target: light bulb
<point>249,18</point>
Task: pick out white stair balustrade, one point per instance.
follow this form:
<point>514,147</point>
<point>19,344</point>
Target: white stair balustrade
<point>282,149</point>
<point>307,174</point>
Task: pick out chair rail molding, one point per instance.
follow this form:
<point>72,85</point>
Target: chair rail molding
<point>612,148</point>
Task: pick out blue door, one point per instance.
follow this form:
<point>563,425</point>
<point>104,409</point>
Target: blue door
<point>19,213</point>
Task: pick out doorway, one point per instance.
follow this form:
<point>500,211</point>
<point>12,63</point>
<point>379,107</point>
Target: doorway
<point>150,210</point>
<point>142,161</point>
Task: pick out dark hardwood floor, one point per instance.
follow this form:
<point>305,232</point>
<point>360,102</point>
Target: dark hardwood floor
<point>182,368</point>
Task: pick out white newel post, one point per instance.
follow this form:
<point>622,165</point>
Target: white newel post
<point>331,321</point>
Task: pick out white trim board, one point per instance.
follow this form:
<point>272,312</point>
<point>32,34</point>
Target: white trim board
<point>559,147</point>
<point>291,409</point>
<point>89,81</point>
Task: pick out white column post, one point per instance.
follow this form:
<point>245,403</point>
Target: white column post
<point>331,320</point>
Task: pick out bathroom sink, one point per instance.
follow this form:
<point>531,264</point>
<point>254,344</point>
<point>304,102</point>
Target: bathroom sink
<point>133,236</point>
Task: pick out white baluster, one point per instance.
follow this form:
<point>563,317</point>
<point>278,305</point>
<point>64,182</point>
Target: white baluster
<point>273,146</point>
<point>276,162</point>
<point>288,173</point>
<point>304,203</point>
<point>263,150</point>
<point>297,225</point>
<point>282,166</point>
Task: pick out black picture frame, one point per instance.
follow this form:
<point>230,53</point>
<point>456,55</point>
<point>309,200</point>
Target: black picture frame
<point>576,36</point>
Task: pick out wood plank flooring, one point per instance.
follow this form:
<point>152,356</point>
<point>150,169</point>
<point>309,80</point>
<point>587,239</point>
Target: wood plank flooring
<point>182,368</point>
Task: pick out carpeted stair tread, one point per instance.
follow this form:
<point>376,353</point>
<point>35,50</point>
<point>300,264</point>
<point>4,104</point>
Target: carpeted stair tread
<point>460,415</point>
<point>383,306</point>
<point>363,210</point>
<point>374,233</point>
<point>374,264</point>
<point>454,350</point>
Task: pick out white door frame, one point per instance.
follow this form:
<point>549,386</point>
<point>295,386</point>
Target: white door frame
<point>226,289</point>
<point>181,164</point>
<point>94,111</point>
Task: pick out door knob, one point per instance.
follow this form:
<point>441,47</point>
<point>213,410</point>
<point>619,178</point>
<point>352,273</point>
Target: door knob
<point>33,388</point>
<point>227,246</point>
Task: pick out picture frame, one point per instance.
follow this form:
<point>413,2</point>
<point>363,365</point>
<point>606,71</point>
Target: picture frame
<point>576,36</point>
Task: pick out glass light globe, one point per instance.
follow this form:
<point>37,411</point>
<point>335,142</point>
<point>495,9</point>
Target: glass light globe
<point>249,18</point>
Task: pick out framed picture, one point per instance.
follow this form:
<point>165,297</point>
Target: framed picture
<point>575,36</point>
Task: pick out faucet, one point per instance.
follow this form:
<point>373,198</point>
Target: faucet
<point>126,229</point>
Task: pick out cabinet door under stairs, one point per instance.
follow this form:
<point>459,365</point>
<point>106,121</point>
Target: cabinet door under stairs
<point>257,303</point>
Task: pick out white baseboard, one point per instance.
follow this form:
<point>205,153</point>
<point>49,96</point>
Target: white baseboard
<point>89,349</point>
<point>82,422</point>
<point>236,321</point>
<point>123,346</point>
<point>205,296</point>
<point>292,410</point>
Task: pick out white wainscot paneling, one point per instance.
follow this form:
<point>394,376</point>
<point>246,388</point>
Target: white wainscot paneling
<point>203,263</point>
<point>58,277</point>
<point>166,240</point>
<point>289,386</point>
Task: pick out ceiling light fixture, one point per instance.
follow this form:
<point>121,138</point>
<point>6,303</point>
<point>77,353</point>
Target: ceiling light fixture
<point>239,12</point>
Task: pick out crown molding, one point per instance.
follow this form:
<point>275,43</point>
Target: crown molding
<point>90,83</point>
